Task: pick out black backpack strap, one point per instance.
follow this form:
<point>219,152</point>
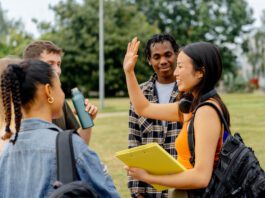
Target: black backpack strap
<point>191,139</point>
<point>66,169</point>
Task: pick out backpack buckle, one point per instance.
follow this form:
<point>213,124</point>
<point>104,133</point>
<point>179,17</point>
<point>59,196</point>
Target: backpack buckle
<point>236,191</point>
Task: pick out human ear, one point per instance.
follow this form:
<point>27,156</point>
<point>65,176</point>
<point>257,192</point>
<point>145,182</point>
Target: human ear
<point>48,90</point>
<point>149,63</point>
<point>200,73</point>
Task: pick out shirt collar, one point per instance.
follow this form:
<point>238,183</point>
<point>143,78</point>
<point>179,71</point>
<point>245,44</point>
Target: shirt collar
<point>35,123</point>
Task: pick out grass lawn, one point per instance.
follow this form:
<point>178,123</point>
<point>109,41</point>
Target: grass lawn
<point>247,113</point>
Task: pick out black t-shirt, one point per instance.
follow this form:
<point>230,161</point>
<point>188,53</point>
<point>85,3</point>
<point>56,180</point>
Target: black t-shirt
<point>68,120</point>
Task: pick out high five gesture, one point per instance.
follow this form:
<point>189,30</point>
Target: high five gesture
<point>141,105</point>
<point>131,55</point>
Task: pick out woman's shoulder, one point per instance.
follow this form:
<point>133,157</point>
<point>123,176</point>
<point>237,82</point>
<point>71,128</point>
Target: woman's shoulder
<point>207,111</point>
<point>212,101</point>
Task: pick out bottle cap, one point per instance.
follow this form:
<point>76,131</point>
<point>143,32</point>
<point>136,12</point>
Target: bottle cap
<point>74,90</point>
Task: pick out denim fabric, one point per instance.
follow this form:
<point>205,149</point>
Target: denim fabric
<point>28,168</point>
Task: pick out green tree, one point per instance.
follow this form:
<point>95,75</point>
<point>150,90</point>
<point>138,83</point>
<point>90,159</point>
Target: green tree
<point>217,21</point>
<point>4,25</point>
<point>255,52</point>
<point>12,35</point>
<point>76,30</point>
<point>3,33</point>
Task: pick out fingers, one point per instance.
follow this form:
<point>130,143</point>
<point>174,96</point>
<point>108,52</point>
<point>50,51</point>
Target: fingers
<point>133,172</point>
<point>135,39</point>
<point>131,56</point>
<point>136,48</point>
<point>128,169</point>
<point>133,46</point>
<point>90,108</point>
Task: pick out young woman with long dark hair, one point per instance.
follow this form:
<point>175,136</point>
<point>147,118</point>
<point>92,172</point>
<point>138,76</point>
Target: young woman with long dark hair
<point>199,68</point>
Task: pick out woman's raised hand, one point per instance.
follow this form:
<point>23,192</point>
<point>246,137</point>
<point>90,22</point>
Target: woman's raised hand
<point>131,55</point>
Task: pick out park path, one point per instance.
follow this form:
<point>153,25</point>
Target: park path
<point>110,114</point>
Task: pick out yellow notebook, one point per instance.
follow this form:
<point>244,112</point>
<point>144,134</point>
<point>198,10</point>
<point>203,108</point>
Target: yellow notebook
<point>153,158</point>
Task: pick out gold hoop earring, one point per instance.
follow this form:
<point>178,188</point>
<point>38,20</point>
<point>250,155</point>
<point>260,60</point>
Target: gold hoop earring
<point>50,100</point>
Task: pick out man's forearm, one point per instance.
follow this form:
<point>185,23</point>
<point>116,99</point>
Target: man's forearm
<point>85,134</point>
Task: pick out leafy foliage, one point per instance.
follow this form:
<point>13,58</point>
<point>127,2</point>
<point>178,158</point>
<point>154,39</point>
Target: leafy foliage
<point>218,21</point>
<point>76,31</point>
<point>255,50</point>
<point>13,36</point>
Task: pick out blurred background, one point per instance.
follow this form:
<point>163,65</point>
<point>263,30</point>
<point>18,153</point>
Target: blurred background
<point>236,26</point>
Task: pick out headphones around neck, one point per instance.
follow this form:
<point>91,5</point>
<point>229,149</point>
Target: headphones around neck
<point>186,101</point>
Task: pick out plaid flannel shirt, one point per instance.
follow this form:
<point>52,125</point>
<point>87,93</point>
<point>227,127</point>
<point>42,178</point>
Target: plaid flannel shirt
<point>144,130</point>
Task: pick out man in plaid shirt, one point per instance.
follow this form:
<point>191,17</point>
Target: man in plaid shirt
<point>161,52</point>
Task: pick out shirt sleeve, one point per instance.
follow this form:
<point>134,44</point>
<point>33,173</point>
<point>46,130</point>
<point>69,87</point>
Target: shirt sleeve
<point>135,139</point>
<point>90,170</point>
<point>134,135</point>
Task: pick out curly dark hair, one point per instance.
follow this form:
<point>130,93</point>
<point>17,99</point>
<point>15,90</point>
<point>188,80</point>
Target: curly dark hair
<point>160,38</point>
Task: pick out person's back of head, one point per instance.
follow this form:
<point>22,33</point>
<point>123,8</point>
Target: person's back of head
<point>4,62</point>
<point>36,48</point>
<point>160,38</point>
<point>19,84</point>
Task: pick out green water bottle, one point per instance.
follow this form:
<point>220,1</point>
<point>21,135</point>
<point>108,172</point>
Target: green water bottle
<point>79,104</point>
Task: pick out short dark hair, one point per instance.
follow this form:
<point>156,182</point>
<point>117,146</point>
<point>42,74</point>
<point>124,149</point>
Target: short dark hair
<point>160,38</point>
<point>36,48</point>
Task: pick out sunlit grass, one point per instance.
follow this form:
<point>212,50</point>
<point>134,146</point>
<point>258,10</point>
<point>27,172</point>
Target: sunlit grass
<point>247,113</point>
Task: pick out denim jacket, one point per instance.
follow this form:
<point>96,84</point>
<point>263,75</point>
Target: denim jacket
<point>28,168</point>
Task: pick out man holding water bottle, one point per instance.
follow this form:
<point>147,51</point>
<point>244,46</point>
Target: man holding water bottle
<point>52,54</point>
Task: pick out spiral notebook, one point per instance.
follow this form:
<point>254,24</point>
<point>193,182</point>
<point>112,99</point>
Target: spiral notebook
<point>153,158</point>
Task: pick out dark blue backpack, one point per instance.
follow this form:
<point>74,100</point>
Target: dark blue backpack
<point>238,172</point>
<point>68,184</point>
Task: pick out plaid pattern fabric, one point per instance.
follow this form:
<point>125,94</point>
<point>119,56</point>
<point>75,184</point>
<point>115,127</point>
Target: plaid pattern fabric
<point>144,130</point>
